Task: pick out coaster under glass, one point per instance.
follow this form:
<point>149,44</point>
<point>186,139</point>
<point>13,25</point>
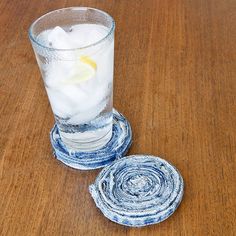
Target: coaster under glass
<point>116,148</point>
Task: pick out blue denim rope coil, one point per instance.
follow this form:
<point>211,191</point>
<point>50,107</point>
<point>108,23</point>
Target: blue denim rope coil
<point>116,148</point>
<point>138,190</point>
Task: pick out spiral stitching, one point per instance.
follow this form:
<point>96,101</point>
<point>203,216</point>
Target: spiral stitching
<point>138,190</point>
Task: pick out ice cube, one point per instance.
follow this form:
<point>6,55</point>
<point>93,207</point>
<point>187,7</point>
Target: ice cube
<point>75,94</point>
<point>59,39</point>
<point>94,36</point>
<point>95,93</point>
<point>71,101</point>
<point>78,35</point>
<point>54,74</point>
<point>87,115</point>
<point>61,105</point>
<point>86,34</point>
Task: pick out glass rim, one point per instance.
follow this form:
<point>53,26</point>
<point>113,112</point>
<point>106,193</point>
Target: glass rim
<point>34,39</point>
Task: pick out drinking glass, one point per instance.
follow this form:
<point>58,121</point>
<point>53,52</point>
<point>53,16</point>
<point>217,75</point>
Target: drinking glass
<point>78,79</point>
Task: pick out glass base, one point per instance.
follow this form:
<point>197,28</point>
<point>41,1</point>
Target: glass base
<point>117,146</point>
<point>75,141</point>
<point>87,137</point>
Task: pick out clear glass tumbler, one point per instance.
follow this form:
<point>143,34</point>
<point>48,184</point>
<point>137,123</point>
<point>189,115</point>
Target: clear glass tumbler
<point>74,48</point>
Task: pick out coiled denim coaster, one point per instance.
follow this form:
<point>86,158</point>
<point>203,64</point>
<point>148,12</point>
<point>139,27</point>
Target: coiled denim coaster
<point>116,148</point>
<point>138,190</point>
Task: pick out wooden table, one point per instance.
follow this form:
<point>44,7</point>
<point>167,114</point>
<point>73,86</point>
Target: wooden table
<point>175,80</point>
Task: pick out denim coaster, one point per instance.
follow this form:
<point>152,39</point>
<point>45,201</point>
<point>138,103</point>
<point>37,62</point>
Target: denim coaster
<point>116,148</point>
<point>138,190</point>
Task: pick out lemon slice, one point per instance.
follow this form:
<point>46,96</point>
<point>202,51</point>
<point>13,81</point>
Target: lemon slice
<point>85,70</point>
<point>87,60</point>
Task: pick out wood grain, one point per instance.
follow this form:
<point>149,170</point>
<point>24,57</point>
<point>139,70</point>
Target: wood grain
<point>175,73</point>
